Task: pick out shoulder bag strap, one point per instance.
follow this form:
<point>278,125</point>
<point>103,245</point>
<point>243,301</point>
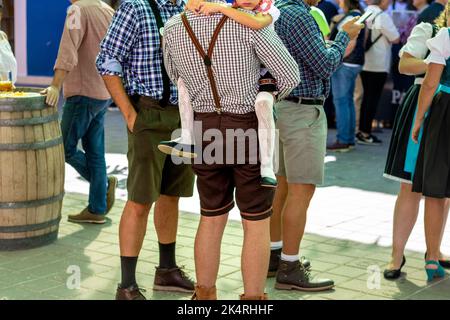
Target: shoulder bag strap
<point>207,57</point>
<point>370,34</point>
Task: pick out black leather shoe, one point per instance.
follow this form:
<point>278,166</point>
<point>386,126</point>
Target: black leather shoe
<point>268,182</point>
<point>394,273</point>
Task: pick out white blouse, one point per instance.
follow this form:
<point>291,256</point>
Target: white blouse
<point>439,47</point>
<point>8,62</point>
<point>417,41</point>
<point>378,58</point>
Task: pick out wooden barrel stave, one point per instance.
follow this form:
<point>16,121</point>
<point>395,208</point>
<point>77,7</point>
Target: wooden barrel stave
<point>27,176</point>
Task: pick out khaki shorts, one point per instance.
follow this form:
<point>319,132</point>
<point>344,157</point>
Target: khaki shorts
<point>303,140</point>
<point>151,172</point>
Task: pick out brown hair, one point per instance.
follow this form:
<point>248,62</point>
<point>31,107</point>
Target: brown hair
<point>441,21</point>
<point>353,5</point>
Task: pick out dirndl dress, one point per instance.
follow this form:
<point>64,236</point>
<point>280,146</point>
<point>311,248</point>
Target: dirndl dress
<point>401,131</point>
<point>403,152</point>
<point>432,172</point>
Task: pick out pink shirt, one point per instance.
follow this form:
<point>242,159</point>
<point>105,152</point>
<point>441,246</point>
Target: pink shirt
<point>86,25</point>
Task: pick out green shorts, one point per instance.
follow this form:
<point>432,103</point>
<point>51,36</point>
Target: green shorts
<point>151,172</point>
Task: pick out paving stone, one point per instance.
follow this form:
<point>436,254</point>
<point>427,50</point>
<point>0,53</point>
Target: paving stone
<point>337,294</point>
<point>330,258</point>
<point>20,292</point>
<point>237,275</point>
<point>100,284</point>
<point>42,284</point>
<point>348,271</point>
<point>225,270</point>
<point>63,293</point>
<point>227,284</point>
<point>232,261</point>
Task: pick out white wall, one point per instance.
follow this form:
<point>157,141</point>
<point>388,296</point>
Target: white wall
<point>20,29</point>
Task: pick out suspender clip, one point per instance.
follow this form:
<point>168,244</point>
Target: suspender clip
<point>207,61</point>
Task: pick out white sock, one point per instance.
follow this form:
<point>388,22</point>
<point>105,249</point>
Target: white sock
<point>276,245</point>
<point>289,258</point>
<point>186,114</point>
<point>266,132</point>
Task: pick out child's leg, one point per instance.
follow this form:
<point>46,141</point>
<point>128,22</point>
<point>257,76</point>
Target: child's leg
<point>186,114</point>
<point>266,132</point>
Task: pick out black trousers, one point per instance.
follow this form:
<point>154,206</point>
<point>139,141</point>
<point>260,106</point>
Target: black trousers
<point>373,83</point>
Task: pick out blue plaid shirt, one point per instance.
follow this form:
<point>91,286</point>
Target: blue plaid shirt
<point>301,35</point>
<point>132,50</point>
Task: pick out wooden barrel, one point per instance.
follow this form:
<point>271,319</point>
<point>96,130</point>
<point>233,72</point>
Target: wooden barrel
<point>31,172</point>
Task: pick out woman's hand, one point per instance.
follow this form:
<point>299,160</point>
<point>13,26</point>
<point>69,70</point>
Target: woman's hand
<point>209,8</point>
<point>416,130</point>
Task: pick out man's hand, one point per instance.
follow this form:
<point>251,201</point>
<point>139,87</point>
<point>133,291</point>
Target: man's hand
<point>352,28</point>
<point>52,94</point>
<point>131,119</point>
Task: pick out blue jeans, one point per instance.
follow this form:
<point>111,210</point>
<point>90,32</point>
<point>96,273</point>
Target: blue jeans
<point>83,118</point>
<point>343,86</point>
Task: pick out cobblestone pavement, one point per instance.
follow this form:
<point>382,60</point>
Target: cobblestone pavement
<point>348,239</point>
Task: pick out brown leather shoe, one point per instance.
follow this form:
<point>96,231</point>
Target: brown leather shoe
<point>172,280</point>
<point>131,293</point>
<point>294,276</point>
<point>275,257</point>
<point>263,297</point>
<point>204,293</point>
<point>87,217</point>
<point>111,193</point>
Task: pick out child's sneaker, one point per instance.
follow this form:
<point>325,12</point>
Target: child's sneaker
<point>268,182</point>
<point>174,147</point>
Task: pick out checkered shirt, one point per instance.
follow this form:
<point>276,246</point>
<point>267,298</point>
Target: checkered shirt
<point>301,35</point>
<point>236,62</point>
<point>133,40</point>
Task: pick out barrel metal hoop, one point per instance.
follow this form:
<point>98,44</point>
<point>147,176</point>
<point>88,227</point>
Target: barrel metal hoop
<point>31,203</point>
<point>18,107</point>
<point>30,227</point>
<point>28,121</point>
<point>30,146</point>
<point>28,243</point>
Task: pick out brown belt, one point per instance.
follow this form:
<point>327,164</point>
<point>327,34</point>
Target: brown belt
<point>307,101</point>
